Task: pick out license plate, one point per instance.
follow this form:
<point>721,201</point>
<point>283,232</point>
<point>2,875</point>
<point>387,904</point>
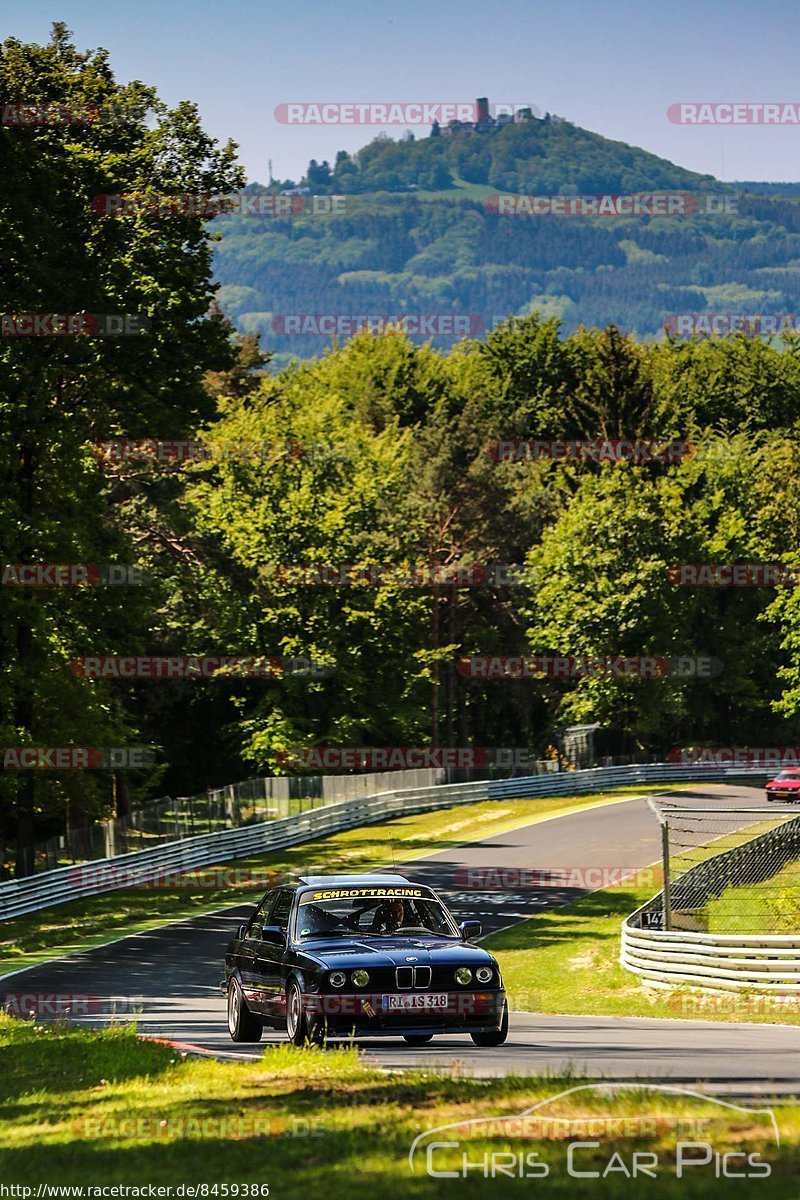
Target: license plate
<point>415,1001</point>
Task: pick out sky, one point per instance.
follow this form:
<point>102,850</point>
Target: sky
<point>611,67</point>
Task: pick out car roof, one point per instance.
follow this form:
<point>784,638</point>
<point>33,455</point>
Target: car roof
<point>335,880</point>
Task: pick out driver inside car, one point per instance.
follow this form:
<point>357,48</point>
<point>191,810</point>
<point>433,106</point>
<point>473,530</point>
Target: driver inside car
<point>388,917</point>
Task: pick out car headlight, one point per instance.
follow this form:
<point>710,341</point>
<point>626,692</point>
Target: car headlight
<point>360,978</point>
<point>463,975</point>
<point>337,979</point>
<point>483,974</point>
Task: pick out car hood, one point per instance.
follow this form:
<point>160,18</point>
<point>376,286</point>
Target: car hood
<point>393,952</point>
<point>791,785</point>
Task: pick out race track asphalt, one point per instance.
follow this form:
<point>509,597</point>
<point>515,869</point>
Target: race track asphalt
<point>170,976</point>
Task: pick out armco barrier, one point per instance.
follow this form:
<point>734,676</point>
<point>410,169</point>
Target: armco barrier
<point>725,962</point>
<point>49,888</point>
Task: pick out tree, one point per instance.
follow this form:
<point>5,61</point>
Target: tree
<point>58,395</point>
<point>601,588</point>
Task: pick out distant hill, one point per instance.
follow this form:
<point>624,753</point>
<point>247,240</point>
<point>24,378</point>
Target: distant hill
<point>546,155</point>
<point>418,233</point>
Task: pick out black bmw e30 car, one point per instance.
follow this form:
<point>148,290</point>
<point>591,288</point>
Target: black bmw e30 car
<point>361,955</point>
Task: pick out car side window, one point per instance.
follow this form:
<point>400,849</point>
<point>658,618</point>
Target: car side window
<point>262,916</point>
<point>283,906</point>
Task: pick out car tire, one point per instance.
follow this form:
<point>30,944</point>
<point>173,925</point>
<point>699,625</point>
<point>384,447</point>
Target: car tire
<point>243,1026</point>
<point>417,1039</point>
<point>299,1030</point>
<point>495,1037</point>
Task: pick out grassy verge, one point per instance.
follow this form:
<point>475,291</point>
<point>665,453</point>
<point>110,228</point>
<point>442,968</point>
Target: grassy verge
<point>567,961</point>
<point>81,1108</point>
<point>771,906</point>
<point>84,923</point>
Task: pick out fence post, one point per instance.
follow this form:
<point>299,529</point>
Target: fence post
<point>665,859</point>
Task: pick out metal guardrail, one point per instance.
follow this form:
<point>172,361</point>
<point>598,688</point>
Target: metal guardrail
<point>50,888</point>
<point>570,783</point>
<point>247,802</point>
<point>723,961</point>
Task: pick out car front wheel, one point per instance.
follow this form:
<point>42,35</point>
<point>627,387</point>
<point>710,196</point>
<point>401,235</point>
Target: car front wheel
<point>495,1037</point>
<point>299,1029</point>
<point>243,1026</point>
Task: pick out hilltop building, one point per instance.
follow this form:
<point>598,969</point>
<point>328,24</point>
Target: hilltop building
<point>485,123</point>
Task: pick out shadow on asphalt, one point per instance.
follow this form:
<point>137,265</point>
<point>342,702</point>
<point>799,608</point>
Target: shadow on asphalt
<point>559,924</point>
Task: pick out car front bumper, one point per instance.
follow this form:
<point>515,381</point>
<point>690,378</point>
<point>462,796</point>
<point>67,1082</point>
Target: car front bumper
<point>365,1015</point>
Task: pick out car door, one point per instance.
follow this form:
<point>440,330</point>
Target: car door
<point>253,982</point>
<point>270,956</point>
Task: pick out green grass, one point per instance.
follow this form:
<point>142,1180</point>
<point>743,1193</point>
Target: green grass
<point>461,190</point>
<point>84,923</point>
<point>567,961</point>
<point>770,906</point>
<point>106,1108</point>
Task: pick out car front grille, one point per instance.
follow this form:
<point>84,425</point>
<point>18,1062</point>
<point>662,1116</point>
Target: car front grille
<point>412,977</point>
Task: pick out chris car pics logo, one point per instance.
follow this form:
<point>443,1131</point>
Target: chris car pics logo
<point>700,1141</point>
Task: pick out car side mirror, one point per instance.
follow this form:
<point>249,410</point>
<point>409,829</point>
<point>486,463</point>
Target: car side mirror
<point>241,932</point>
<point>274,934</point>
<point>470,930</point>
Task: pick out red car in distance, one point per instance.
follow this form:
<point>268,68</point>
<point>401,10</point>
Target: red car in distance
<point>785,786</point>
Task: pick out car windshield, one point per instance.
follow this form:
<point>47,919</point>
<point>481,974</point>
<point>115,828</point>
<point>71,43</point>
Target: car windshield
<point>368,914</point>
<point>793,775</point>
